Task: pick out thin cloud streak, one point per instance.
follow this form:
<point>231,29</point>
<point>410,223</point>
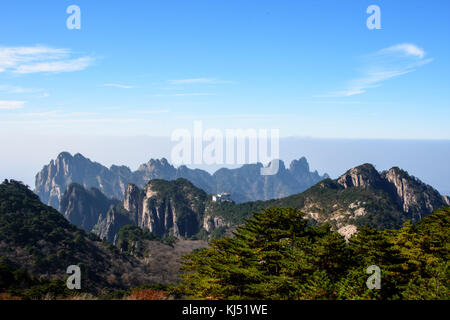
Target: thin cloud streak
<point>383,65</point>
<point>117,85</point>
<point>25,60</point>
<point>199,81</point>
<point>14,89</point>
<point>152,111</point>
<point>184,94</point>
<point>11,105</point>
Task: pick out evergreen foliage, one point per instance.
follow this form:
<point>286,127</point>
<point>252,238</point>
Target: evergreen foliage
<point>278,255</point>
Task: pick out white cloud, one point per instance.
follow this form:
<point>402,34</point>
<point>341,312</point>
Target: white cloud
<point>407,49</point>
<point>14,89</point>
<point>11,105</point>
<point>199,81</point>
<point>155,111</point>
<point>56,66</point>
<point>57,114</point>
<point>184,94</point>
<point>64,122</point>
<point>36,59</point>
<point>383,65</point>
<point>116,85</point>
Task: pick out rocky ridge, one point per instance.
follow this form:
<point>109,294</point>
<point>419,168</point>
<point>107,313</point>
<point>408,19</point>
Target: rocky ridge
<point>244,184</point>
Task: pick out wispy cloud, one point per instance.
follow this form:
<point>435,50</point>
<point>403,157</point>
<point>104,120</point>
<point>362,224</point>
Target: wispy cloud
<point>199,81</point>
<point>14,89</point>
<point>185,94</point>
<point>11,105</point>
<point>117,85</point>
<point>154,111</point>
<point>24,60</point>
<point>406,49</point>
<point>383,65</point>
<point>63,122</point>
<point>57,114</point>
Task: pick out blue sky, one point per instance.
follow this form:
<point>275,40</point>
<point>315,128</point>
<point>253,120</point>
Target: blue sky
<point>308,68</point>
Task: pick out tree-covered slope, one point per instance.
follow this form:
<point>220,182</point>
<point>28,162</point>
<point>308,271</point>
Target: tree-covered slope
<point>41,241</point>
<point>278,255</point>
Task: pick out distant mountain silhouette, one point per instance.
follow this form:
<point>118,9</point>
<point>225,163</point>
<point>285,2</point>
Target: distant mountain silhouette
<point>244,183</point>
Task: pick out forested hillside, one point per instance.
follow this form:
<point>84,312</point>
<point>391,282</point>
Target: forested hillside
<point>277,255</point>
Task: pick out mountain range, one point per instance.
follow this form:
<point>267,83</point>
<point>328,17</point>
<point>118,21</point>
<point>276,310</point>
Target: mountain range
<point>361,196</point>
<point>151,227</point>
<point>244,183</point>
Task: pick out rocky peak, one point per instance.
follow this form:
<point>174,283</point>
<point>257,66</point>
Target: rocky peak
<point>415,196</point>
<point>155,164</point>
<point>54,178</point>
<point>446,200</point>
<point>83,207</point>
<point>166,207</point>
<point>362,176</point>
<point>156,169</point>
<point>281,166</point>
<point>299,166</point>
<point>64,155</point>
<point>133,200</point>
<point>245,183</point>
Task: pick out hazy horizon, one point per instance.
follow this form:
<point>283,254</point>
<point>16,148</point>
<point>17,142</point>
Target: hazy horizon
<point>425,159</point>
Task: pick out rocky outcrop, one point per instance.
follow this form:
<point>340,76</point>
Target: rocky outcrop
<point>53,180</point>
<point>133,200</point>
<point>362,176</point>
<point>83,207</point>
<point>347,231</point>
<point>110,223</point>
<point>446,200</point>
<point>211,223</point>
<point>415,197</point>
<point>165,208</point>
<point>170,208</point>
<point>244,184</point>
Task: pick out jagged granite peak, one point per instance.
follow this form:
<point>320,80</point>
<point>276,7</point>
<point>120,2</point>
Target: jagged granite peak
<point>415,196</point>
<point>244,184</point>
<point>300,165</point>
<point>446,200</point>
<point>54,178</point>
<point>109,223</point>
<point>83,207</point>
<point>158,167</point>
<point>361,176</point>
<point>174,208</point>
<point>132,201</point>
